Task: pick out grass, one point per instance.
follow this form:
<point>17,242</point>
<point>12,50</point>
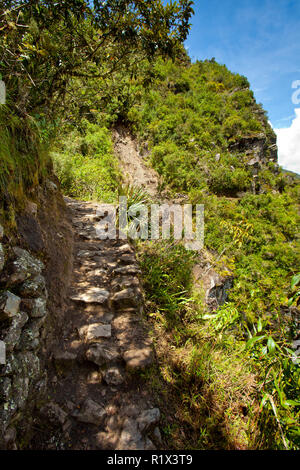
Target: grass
<point>220,384</point>
<point>203,381</point>
<point>24,162</point>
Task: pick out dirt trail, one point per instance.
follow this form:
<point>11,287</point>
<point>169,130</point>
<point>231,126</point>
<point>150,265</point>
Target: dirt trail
<point>133,166</point>
<point>98,397</point>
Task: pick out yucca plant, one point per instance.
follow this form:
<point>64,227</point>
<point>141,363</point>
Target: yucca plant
<point>137,199</point>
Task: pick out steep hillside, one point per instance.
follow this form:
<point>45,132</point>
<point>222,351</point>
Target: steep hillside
<point>199,127</point>
<point>207,341</point>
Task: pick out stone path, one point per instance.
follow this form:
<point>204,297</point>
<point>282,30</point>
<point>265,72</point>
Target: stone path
<point>98,396</point>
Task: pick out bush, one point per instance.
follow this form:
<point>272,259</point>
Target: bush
<point>86,164</point>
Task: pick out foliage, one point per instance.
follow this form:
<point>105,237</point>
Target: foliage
<point>203,380</point>
<point>193,117</point>
<point>295,286</point>
<point>86,164</point>
<point>24,159</point>
<point>198,120</point>
<point>77,38</point>
<point>279,387</point>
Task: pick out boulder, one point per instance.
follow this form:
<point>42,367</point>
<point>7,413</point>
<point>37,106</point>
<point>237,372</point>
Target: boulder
<point>31,334</point>
<point>101,354</point>
<point>24,266</point>
<point>138,358</point>
<point>95,331</point>
<point>124,298</point>
<point>14,331</point>
<point>9,305</point>
<point>131,269</point>
<point>90,412</point>
<point>148,418</point>
<point>125,282</point>
<point>126,248</point>
<point>54,413</point>
<point>36,308</point>
<point>34,287</point>
<point>131,438</point>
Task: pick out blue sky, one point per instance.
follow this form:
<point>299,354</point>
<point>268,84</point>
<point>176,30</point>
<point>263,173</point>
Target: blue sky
<point>259,39</point>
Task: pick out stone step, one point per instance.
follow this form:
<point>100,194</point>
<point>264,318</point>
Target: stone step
<point>94,331</point>
<point>131,269</point>
<point>103,353</point>
<point>91,295</point>
<point>125,298</point>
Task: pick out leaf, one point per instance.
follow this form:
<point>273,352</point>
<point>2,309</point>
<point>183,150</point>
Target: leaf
<point>292,403</point>
<point>259,325</point>
<point>271,345</point>
<point>264,400</point>
<point>254,340</point>
<point>295,280</point>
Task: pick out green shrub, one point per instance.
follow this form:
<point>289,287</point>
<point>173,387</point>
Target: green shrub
<point>86,164</point>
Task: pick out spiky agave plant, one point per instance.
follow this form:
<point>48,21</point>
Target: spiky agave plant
<point>137,198</point>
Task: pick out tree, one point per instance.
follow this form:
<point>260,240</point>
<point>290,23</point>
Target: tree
<point>45,43</point>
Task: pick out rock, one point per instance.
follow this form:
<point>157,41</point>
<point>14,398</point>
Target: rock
<point>113,376</point>
<point>215,287</point>
<point>296,344</point>
<point>34,287</point>
<point>92,295</point>
<point>90,412</point>
<point>14,332</point>
<point>2,257</point>
<point>127,258</point>
<point>138,358</point>
<point>131,438</point>
<point>148,418</point>
<point>157,435</point>
<point>31,208</point>
<point>95,331</point>
<point>24,266</point>
<point>86,254</point>
<point>100,272</point>
<point>51,186</point>
<point>126,297</point>
<point>132,410</point>
<point>20,390</point>
<point>124,282</point>
<point>124,249</point>
<point>5,388</point>
<point>101,354</point>
<point>133,269</point>
<point>31,334</point>
<point>149,444</point>
<point>54,413</point>
<point>2,353</point>
<point>36,308</point>
<point>70,405</point>
<point>9,305</point>
<point>111,265</point>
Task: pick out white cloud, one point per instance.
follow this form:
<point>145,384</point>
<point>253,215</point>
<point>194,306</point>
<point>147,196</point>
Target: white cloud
<point>288,141</point>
